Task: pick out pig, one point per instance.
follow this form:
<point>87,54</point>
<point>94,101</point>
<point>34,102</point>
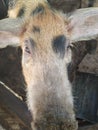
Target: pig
<point>45,36</point>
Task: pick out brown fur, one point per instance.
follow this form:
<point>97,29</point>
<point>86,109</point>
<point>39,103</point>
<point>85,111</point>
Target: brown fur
<point>49,93</point>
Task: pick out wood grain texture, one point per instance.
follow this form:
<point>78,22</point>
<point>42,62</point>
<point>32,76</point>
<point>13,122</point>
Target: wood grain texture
<point>15,106</point>
<point>92,127</point>
<point>89,63</point>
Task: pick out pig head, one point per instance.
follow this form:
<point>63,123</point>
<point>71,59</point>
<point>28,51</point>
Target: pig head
<point>45,36</point>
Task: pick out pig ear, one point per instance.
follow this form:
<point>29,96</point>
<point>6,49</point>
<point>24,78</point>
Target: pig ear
<point>8,39</point>
<point>83,24</point>
<point>9,32</point>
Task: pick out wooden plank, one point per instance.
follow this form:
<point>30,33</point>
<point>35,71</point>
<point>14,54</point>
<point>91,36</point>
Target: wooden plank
<point>16,106</point>
<point>92,127</point>
<point>3,9</point>
<point>11,70</point>
<point>89,3</point>
<point>79,51</point>
<point>90,63</point>
<point>9,121</point>
<point>85,89</point>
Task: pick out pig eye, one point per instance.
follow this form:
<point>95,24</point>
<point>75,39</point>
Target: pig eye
<point>21,12</point>
<point>29,46</point>
<point>26,48</point>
